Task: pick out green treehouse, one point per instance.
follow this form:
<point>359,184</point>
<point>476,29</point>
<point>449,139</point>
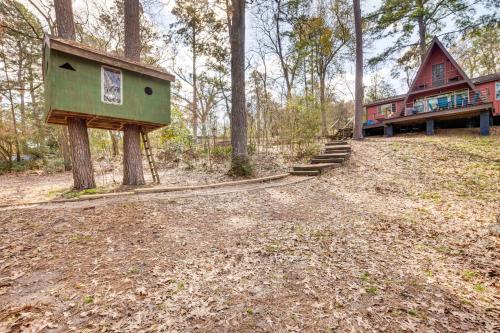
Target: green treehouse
<point>107,91</point>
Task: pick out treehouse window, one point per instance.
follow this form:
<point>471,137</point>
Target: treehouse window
<point>111,85</point>
<point>67,66</point>
<point>497,91</point>
<point>437,74</point>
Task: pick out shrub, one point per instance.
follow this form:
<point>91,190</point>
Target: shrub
<point>241,167</point>
<point>219,152</point>
<point>53,165</point>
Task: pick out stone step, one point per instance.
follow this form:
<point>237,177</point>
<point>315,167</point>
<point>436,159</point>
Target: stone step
<point>333,155</point>
<point>306,173</point>
<point>327,160</point>
<point>336,143</point>
<point>319,167</point>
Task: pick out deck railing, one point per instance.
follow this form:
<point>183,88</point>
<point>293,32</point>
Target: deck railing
<point>449,76</point>
<point>448,101</point>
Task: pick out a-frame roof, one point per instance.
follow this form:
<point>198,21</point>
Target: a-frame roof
<point>435,42</point>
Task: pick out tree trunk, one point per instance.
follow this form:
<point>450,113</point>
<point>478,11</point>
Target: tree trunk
<point>83,174</point>
<point>132,165</point>
<point>421,29</point>
<point>358,111</point>
<point>322,102</point>
<point>114,144</point>
<point>194,106</point>
<point>65,149</point>
<point>133,173</point>
<point>34,105</point>
<point>14,124</point>
<point>204,132</point>
<point>240,163</point>
<point>13,111</point>
<point>64,18</point>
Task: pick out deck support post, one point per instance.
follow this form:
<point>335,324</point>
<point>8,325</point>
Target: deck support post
<point>429,127</point>
<point>484,123</point>
<point>388,130</point>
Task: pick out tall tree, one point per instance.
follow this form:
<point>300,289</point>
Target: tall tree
<point>240,162</point>
<point>83,173</point>
<point>477,51</point>
<point>378,88</point>
<point>277,19</point>
<point>323,37</point>
<point>201,30</point>
<point>358,93</point>
<point>428,18</point>
<point>133,173</point>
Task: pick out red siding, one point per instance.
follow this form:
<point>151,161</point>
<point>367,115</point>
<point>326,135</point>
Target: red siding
<point>488,89</point>
<point>437,56</point>
<point>423,87</point>
<point>372,111</point>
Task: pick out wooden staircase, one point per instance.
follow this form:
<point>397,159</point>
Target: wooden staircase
<point>332,156</point>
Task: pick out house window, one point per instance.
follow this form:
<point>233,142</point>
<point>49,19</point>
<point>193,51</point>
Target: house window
<point>111,85</point>
<point>497,91</point>
<point>437,74</point>
<point>386,109</point>
<point>460,98</point>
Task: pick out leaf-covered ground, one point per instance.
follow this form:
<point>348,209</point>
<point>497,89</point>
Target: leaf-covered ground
<point>404,237</point>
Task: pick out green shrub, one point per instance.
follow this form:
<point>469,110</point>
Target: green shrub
<point>305,152</point>
<point>53,165</point>
<point>219,152</point>
<point>22,166</point>
<point>241,167</point>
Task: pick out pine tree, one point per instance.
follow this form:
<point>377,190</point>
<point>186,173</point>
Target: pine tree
<point>83,173</point>
<point>240,162</point>
<point>358,98</point>
<point>133,173</point>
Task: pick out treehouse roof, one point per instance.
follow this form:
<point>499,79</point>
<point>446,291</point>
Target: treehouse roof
<point>83,51</point>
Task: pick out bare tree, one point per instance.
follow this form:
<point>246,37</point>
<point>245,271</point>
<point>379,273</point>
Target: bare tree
<point>133,173</point>
<point>200,29</point>
<point>276,19</point>
<point>358,110</point>
<point>83,173</point>
<point>240,163</point>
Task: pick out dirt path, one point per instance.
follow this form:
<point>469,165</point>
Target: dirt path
<point>17,188</point>
<point>399,240</point>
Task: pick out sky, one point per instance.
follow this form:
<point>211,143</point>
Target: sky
<point>161,16</point>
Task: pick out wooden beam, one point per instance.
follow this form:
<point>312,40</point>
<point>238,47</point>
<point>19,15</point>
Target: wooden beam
<point>451,113</point>
<point>59,117</point>
<point>80,50</point>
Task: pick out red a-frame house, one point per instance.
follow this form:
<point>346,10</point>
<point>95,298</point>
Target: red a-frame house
<point>441,92</point>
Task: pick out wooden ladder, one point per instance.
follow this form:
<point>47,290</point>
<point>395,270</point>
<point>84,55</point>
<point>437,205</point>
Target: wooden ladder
<point>149,155</point>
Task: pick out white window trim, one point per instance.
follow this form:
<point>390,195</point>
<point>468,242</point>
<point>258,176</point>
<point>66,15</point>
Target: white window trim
<point>497,84</point>
<point>102,85</point>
